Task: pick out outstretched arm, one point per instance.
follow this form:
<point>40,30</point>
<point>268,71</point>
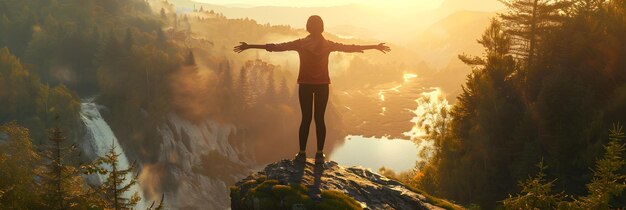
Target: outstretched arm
<point>380,47</point>
<point>359,48</point>
<point>293,45</point>
<point>244,46</point>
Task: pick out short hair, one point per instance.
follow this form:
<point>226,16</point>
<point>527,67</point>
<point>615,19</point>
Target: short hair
<point>315,25</point>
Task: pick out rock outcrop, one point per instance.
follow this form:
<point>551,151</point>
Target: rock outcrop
<point>367,190</point>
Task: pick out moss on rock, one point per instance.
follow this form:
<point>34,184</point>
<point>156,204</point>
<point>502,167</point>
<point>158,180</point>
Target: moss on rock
<point>271,194</point>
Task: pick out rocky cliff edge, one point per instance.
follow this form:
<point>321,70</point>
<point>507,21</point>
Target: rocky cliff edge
<point>290,185</point>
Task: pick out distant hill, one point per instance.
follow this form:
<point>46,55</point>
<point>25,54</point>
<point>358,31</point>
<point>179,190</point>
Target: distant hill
<point>451,6</point>
<point>454,34</point>
<point>275,15</point>
<point>379,24</point>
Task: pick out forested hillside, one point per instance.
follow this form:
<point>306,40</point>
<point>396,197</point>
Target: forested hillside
<point>550,84</point>
<point>91,47</point>
<point>56,52</point>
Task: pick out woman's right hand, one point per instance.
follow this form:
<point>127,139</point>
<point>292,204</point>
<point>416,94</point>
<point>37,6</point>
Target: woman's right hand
<point>243,46</point>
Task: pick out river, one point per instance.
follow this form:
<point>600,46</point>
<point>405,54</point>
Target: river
<point>384,120</point>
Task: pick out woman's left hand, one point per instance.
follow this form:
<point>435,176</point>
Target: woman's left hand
<point>383,48</point>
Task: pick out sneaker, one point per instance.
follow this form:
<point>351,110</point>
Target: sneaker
<point>319,157</point>
<point>300,157</point>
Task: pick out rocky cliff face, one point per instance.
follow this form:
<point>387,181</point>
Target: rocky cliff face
<point>195,166</point>
<point>318,184</point>
<point>200,160</point>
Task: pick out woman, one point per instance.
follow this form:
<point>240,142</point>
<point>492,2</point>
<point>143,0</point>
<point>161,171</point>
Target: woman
<point>313,79</point>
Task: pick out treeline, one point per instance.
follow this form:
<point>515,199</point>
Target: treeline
<point>604,190</point>
<point>115,50</point>
<point>50,175</point>
<point>63,40</point>
<point>23,96</point>
<point>551,81</point>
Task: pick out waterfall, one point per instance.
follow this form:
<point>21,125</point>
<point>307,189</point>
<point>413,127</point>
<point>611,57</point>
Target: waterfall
<point>184,147</point>
<point>98,141</point>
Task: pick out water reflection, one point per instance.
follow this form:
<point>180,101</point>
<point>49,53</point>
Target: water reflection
<point>397,120</point>
<point>373,153</point>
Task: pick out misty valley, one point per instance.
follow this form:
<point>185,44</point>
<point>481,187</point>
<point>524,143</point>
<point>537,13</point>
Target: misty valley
<point>192,104</point>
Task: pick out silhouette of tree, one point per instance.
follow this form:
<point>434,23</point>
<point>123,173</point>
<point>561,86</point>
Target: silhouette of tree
<point>479,123</point>
<point>604,190</point>
<point>587,7</point>
<point>270,93</point>
<point>528,21</point>
<point>608,180</point>
<point>226,75</point>
<point>190,59</point>
<point>63,184</point>
<point>536,193</point>
<point>226,92</point>
<point>118,181</point>
<point>161,38</point>
<point>245,92</point>
<point>283,89</point>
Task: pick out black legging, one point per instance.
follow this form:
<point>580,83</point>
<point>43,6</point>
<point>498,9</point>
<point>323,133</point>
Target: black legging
<point>309,94</point>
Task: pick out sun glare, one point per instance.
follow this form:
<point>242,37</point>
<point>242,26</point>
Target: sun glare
<point>408,77</point>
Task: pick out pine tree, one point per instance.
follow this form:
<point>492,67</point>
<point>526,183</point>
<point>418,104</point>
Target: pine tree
<point>63,185</point>
<point>497,44</point>
<point>226,76</point>
<point>225,87</point>
<point>528,21</point>
<point>161,38</point>
<point>608,182</point>
<point>270,93</point>
<point>245,92</point>
<point>586,7</point>
<point>190,59</point>
<point>56,162</point>
<point>479,129</point>
<point>536,193</point>
<point>283,89</point>
<point>118,182</point>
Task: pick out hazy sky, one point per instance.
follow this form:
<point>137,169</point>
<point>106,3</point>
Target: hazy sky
<point>398,20</point>
<point>398,4</point>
